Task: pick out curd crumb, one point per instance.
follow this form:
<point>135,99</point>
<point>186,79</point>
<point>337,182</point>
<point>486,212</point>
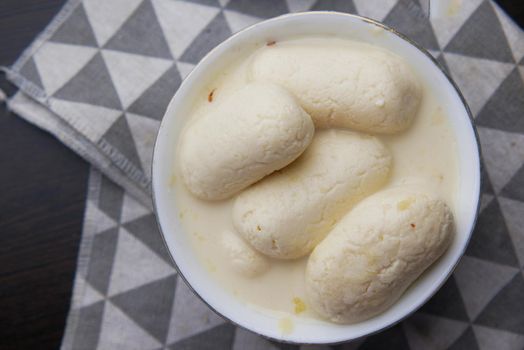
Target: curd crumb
<point>300,306</point>
<point>405,204</point>
<point>210,96</point>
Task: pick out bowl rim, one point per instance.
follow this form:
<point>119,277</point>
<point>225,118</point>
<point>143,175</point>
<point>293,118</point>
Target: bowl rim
<point>442,71</point>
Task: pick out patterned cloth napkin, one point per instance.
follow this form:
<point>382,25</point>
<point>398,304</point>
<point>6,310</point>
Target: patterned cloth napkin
<point>99,78</point>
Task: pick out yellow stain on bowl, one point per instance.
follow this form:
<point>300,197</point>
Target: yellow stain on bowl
<point>405,203</point>
<point>285,325</point>
<point>300,305</point>
<point>172,181</point>
<point>211,267</point>
<point>199,236</point>
<point>377,31</point>
<point>438,117</point>
<point>438,177</point>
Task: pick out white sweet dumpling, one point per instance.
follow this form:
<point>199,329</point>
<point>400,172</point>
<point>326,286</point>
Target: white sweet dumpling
<point>259,129</point>
<point>375,252</point>
<point>361,87</point>
<point>286,214</point>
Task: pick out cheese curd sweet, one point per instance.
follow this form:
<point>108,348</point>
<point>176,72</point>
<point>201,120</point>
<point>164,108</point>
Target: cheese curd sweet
<point>286,214</point>
<point>259,129</point>
<point>375,252</point>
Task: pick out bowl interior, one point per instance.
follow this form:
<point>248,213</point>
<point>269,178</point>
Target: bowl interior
<point>288,26</point>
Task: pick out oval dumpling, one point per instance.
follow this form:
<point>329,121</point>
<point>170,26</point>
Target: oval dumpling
<point>375,252</point>
<point>257,130</point>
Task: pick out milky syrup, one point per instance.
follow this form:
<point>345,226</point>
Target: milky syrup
<point>425,155</point>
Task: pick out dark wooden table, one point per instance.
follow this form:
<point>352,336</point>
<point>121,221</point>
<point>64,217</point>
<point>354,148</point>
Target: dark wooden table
<point>42,198</point>
<point>42,195</point>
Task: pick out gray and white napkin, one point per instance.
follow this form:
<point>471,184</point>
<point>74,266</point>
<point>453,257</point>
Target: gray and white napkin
<point>100,77</point>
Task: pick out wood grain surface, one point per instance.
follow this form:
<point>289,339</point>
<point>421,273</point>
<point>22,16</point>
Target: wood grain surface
<point>42,194</point>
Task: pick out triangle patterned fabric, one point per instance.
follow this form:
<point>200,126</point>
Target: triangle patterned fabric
<point>107,70</point>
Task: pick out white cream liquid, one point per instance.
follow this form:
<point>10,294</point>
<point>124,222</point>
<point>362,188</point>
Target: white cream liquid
<point>425,155</point>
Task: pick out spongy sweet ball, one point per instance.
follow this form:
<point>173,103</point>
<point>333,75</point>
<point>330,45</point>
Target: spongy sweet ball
<point>359,87</point>
<point>375,252</point>
<point>286,214</point>
<point>242,257</point>
<point>259,129</point>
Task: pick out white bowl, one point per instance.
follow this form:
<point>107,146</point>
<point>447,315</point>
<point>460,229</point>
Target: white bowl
<point>287,26</point>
